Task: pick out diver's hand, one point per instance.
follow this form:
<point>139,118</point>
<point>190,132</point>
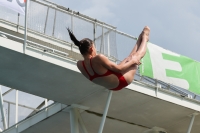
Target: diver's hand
<point>135,60</point>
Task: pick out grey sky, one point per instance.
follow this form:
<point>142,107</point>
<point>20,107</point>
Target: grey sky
<point>174,24</point>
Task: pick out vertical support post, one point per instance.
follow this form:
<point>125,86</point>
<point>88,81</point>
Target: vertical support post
<point>157,86</point>
<point>16,107</point>
<point>102,40</point>
<point>168,86</point>
<point>108,44</point>
<point>25,27</point>
<point>46,102</point>
<point>72,21</point>
<point>18,22</point>
<point>2,110</point>
<point>72,26</point>
<point>115,42</point>
<point>73,121</point>
<point>94,34</point>
<point>105,112</point>
<point>8,114</point>
<point>191,122</point>
<point>45,26</point>
<point>195,96</point>
<point>54,23</point>
<point>141,78</point>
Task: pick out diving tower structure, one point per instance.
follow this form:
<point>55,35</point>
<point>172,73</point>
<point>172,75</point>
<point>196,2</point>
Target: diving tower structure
<point>47,68</point>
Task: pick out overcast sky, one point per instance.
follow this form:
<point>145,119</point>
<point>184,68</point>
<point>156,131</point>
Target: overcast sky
<point>174,23</point>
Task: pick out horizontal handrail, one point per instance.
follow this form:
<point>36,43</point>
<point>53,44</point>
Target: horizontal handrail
<point>45,48</point>
<point>21,105</point>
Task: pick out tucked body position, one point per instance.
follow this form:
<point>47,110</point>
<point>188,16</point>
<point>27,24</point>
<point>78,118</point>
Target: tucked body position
<point>100,70</point>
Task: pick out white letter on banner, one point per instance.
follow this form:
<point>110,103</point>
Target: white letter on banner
<point>160,65</point>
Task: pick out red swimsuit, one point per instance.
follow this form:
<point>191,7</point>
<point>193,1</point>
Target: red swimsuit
<point>122,80</point>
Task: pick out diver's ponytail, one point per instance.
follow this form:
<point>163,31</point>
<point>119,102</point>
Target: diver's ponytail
<point>73,38</point>
<point>83,45</point>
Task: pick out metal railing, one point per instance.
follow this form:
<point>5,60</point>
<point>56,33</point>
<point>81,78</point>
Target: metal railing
<point>51,20</point>
<point>12,111</point>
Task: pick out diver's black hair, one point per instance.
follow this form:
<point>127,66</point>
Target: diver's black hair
<point>83,45</point>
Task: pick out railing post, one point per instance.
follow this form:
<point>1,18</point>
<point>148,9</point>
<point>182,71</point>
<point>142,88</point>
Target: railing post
<point>18,22</point>
<point>2,110</point>
<point>157,87</point>
<point>45,26</point>
<point>102,40</point>
<point>72,27</point>
<point>94,33</point>
<point>25,27</point>
<point>108,44</point>
<point>54,23</point>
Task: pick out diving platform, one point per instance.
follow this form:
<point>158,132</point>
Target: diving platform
<point>47,68</point>
<point>139,106</point>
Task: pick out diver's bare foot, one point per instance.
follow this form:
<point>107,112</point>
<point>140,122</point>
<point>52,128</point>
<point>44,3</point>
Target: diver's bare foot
<point>145,33</point>
<point>146,30</point>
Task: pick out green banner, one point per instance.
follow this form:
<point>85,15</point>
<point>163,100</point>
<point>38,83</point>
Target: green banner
<point>172,68</point>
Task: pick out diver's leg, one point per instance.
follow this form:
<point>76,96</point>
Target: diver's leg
<point>139,49</point>
<point>137,45</point>
<point>143,46</point>
<point>130,72</point>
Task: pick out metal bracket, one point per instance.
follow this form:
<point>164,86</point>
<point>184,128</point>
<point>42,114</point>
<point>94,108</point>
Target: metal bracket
<point>157,87</point>
<point>76,120</point>
<point>79,107</point>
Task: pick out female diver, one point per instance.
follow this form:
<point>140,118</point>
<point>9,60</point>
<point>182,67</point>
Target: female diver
<point>100,70</point>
